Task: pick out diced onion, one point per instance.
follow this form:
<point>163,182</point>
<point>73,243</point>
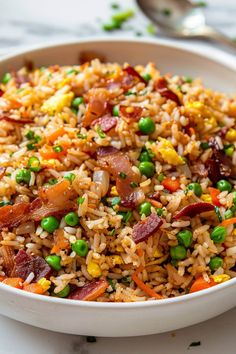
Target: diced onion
<point>102,177</point>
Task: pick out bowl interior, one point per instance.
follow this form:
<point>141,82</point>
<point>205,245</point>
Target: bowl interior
<point>212,67</point>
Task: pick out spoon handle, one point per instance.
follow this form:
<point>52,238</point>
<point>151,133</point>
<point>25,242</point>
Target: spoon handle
<point>211,33</point>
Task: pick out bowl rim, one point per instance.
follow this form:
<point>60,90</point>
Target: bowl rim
<point>214,54</point>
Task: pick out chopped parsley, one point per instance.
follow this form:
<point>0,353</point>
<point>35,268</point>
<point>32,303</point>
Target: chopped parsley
<point>115,201</point>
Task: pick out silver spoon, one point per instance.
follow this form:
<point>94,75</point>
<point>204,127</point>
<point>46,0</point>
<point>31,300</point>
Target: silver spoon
<point>182,19</point>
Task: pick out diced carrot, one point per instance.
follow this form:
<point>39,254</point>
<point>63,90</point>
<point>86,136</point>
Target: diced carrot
<point>143,286</point>
<point>228,222</point>
<point>201,284</point>
<point>60,242</point>
<point>140,252</point>
<point>170,184</point>
<point>2,277</point>
<point>14,282</point>
<point>191,131</point>
<point>154,203</point>
<point>34,288</point>
<point>55,134</point>
<point>214,196</point>
<point>48,153</point>
<point>98,292</point>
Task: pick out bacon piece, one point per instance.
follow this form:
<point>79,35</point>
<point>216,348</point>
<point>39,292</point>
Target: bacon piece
<point>1,92</point>
<point>131,71</point>
<point>194,209</point>
<point>117,163</point>
<point>106,122</point>
<point>8,255</point>
<point>25,264</point>
<point>131,113</point>
<point>13,215</point>
<point>162,87</point>
<point>16,121</point>
<point>2,172</point>
<point>97,105</point>
<point>90,291</point>
<point>146,228</point>
<point>104,151</point>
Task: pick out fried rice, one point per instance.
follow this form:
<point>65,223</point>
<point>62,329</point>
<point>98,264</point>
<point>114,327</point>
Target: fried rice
<point>116,183</point>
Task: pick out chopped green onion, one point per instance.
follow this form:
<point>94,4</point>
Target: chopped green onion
<point>3,203</point>
<point>133,184</point>
<point>80,200</point>
<point>112,232</point>
<point>161,177</point>
<point>166,12</point>
<point>81,136</point>
<point>115,6</point>
<point>125,215</point>
<point>6,78</point>
<point>217,211</point>
<point>188,79</point>
<point>123,16</point>
<point>52,181</point>
<point>204,145</point>
<point>101,134</point>
<point>31,146</point>
<point>69,176</point>
<point>29,135</point>
<point>151,29</point>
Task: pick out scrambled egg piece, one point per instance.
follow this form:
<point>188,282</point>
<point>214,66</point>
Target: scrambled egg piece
<point>220,278</point>
<point>206,198</point>
<point>231,135</point>
<point>114,191</point>
<point>94,270</point>
<point>56,103</point>
<point>116,260</point>
<point>168,153</point>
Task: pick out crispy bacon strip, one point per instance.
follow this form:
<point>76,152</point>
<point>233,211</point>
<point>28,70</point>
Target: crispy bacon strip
<point>97,105</point>
<point>25,264</point>
<point>162,87</point>
<point>131,71</point>
<point>194,209</point>
<point>147,227</point>
<point>8,255</point>
<point>90,291</point>
<point>13,215</point>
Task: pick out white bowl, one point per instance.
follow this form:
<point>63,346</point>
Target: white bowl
<point>125,319</point>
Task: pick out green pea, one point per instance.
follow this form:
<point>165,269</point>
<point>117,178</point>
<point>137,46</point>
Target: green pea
<point>6,78</point>
<point>144,156</point>
<point>34,164</point>
<point>50,224</point>
<point>54,262</point>
<point>196,188</point>
<point>161,177</point>
<point>229,214</point>
<point>147,76</point>
<point>23,176</point>
<point>145,208</point>
<point>147,168</point>
<point>69,176</point>
<point>80,247</point>
<point>159,211</point>
<point>215,263</point>
<point>58,148</point>
<point>185,238</point>
<point>115,111</point>
<point>31,146</point>
<point>76,102</point>
<point>218,234</point>
<point>80,200</point>
<point>229,151</point>
<point>64,292</point>
<point>72,219</point>
<point>146,125</point>
<point>224,185</point>
<point>178,253</point>
<point>204,145</point>
<point>52,181</point>
<point>29,135</point>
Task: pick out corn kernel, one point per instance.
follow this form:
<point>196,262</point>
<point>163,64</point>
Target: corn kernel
<point>231,135</point>
<point>121,249</point>
<point>168,153</point>
<point>55,104</point>
<point>234,232</point>
<point>114,191</point>
<point>220,278</point>
<point>157,253</point>
<point>206,198</point>
<point>116,260</point>
<point>94,270</point>
<point>211,121</point>
<point>45,284</point>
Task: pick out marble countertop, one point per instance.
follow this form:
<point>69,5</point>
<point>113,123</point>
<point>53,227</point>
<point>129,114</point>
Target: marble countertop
<point>23,24</point>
